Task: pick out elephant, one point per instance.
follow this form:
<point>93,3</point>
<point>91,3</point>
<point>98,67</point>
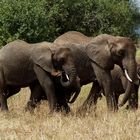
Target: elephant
<point>97,58</point>
<point>119,82</point>
<point>22,64</point>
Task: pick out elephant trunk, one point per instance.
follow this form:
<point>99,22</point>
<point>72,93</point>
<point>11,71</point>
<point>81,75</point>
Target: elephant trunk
<point>130,73</point>
<point>77,91</point>
<point>68,77</point>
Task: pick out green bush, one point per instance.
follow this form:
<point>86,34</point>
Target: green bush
<point>38,20</point>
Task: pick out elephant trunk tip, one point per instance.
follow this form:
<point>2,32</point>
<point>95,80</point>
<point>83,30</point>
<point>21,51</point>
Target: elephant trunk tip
<point>121,104</point>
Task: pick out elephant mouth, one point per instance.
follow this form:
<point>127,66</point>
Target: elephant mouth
<point>65,76</point>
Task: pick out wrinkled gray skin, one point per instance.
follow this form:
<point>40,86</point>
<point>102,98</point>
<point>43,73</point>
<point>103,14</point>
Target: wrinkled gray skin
<point>21,64</point>
<point>119,83</point>
<point>98,59</point>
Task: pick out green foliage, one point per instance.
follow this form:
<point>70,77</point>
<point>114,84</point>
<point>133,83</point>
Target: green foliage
<point>38,20</point>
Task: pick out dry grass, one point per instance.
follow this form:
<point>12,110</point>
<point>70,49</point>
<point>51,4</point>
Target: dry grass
<point>99,125</point>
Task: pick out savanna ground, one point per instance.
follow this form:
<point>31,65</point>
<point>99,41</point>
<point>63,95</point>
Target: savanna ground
<point>99,125</point>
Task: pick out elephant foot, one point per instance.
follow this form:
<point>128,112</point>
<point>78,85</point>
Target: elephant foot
<point>4,108</point>
<point>131,107</point>
<point>30,106</point>
<point>112,105</point>
<point>63,108</point>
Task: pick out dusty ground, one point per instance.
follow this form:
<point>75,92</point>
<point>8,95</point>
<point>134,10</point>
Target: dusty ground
<point>99,125</point>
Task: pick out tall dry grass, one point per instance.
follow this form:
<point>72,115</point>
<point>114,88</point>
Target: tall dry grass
<point>99,125</point>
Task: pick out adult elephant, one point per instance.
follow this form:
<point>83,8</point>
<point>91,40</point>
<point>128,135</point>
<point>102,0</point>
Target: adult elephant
<point>21,64</point>
<point>98,58</point>
<point>119,82</point>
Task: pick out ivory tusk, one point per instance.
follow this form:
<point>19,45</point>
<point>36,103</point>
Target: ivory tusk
<point>127,76</point>
<point>67,77</point>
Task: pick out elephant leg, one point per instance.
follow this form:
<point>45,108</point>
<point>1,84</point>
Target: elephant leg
<point>8,92</point>
<point>61,93</point>
<point>117,100</point>
<point>133,100</point>
<point>62,103</point>
<point>47,84</point>
<point>105,80</point>
<point>3,99</point>
<point>92,97</point>
<point>37,94</point>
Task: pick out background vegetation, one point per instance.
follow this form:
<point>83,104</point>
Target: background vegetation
<point>39,20</point>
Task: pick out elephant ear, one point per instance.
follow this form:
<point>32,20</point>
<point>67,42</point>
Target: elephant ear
<point>99,53</point>
<point>42,56</point>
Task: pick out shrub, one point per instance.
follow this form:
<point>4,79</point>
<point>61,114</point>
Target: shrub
<point>39,20</point>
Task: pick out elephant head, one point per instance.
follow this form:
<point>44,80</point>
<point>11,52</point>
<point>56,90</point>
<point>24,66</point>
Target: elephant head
<point>58,62</point>
<point>106,50</point>
<point>63,61</point>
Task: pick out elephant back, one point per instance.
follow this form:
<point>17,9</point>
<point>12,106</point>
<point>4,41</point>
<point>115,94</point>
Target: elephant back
<point>14,60</point>
<point>17,48</point>
<point>42,44</point>
<point>72,37</point>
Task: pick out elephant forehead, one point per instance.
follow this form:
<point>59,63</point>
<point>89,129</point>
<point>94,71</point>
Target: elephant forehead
<point>124,41</point>
<point>63,52</point>
<point>126,45</point>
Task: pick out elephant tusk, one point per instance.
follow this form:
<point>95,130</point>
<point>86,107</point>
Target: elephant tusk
<point>127,76</point>
<point>67,77</point>
<point>74,98</point>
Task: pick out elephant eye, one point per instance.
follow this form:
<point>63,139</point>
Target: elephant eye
<point>56,65</point>
<point>61,60</point>
<point>121,53</point>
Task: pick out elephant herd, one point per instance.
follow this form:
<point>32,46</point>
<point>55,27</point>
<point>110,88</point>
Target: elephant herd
<point>56,71</point>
